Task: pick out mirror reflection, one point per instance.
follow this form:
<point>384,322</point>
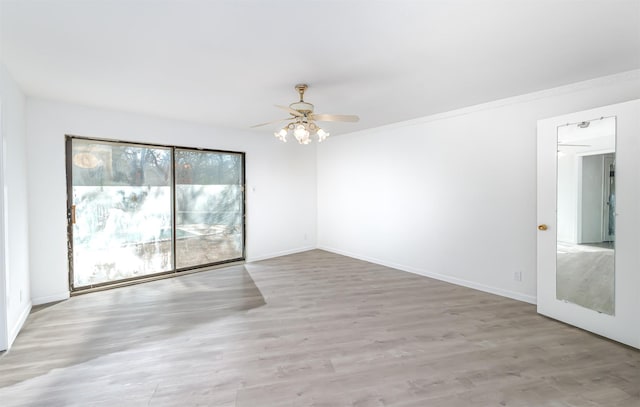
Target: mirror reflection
<point>585,271</point>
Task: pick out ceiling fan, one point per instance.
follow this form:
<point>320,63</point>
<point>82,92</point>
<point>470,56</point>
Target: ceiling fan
<point>302,122</point>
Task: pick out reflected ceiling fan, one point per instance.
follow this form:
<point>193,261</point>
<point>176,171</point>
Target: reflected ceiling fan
<point>302,122</point>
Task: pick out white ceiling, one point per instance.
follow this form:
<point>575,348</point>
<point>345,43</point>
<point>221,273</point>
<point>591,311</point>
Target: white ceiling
<point>227,62</point>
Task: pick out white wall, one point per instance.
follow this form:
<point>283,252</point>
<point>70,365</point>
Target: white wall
<point>569,166</point>
<point>15,302</point>
<point>592,199</point>
<point>281,182</point>
<point>452,196</point>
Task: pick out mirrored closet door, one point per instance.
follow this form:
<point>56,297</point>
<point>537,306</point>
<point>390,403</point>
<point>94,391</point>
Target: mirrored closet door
<point>588,220</point>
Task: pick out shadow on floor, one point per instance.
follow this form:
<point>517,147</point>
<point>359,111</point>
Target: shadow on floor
<point>115,320</point>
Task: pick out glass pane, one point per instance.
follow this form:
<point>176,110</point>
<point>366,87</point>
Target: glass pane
<point>585,268</point>
<point>209,207</point>
<point>122,198</point>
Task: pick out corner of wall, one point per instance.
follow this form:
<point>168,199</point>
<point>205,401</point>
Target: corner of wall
<point>15,303</point>
<point>443,192</point>
<point>15,329</point>
<point>61,296</point>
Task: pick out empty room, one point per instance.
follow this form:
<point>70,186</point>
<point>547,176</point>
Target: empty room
<point>320,203</point>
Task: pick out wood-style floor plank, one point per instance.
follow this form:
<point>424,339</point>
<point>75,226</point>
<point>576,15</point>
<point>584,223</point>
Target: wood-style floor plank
<point>310,329</point>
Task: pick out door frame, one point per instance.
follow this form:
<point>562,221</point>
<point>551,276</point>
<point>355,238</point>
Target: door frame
<point>607,162</point>
<point>4,306</point>
<point>624,326</point>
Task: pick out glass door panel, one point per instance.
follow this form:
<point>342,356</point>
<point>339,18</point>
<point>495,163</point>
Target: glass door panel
<point>120,211</point>
<point>209,207</point>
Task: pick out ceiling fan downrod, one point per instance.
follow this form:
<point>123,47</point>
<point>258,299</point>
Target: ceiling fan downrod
<point>301,88</point>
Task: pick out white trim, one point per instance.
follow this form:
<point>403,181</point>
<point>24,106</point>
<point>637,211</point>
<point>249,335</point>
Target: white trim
<point>628,76</point>
<point>281,253</point>
<point>4,306</point>
<point>19,324</point>
<point>442,277</point>
<point>51,298</point>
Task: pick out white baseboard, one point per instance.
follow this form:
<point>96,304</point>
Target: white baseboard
<point>281,253</point>
<point>442,277</point>
<point>14,330</point>
<point>51,298</point>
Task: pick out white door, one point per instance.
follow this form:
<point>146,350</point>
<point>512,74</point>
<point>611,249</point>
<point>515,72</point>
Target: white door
<point>4,336</point>
<point>584,281</point>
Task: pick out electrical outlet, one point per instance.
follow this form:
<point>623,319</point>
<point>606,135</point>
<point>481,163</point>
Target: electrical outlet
<point>517,276</point>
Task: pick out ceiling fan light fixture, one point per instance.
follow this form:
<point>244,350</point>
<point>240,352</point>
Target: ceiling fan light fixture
<point>322,135</point>
<point>302,131</point>
<point>301,134</point>
<point>282,134</point>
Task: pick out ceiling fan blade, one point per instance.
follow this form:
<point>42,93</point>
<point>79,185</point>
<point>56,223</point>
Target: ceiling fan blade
<point>264,124</point>
<point>290,110</point>
<point>335,117</point>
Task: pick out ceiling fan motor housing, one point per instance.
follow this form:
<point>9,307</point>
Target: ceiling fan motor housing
<point>302,107</point>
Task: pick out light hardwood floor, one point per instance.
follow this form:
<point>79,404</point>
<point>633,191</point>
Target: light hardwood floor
<point>310,329</point>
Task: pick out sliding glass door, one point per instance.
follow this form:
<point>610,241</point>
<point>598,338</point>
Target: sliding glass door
<point>135,210</point>
<point>209,207</point>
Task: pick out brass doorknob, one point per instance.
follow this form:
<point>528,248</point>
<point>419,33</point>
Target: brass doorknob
<point>543,227</point>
